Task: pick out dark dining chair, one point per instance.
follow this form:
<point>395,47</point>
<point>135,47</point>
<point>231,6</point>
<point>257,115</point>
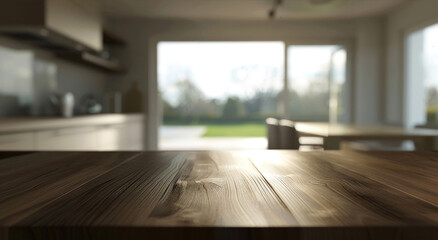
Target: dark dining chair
<point>289,136</point>
<point>273,133</point>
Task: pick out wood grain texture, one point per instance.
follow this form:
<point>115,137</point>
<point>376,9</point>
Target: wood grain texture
<point>8,154</point>
<point>318,192</point>
<point>124,196</point>
<point>221,189</point>
<point>28,182</point>
<point>414,173</point>
<point>219,195</point>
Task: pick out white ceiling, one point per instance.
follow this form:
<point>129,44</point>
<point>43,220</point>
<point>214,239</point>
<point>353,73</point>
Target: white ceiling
<point>246,9</point>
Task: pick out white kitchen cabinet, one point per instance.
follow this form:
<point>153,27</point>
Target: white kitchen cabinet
<point>109,137</point>
<point>105,132</point>
<point>125,137</point>
<point>66,139</point>
<point>17,142</point>
<point>133,139</point>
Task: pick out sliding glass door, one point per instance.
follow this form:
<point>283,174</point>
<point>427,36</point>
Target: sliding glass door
<point>227,89</point>
<point>316,83</point>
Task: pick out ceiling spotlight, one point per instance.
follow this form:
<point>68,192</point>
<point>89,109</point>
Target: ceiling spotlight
<point>273,10</point>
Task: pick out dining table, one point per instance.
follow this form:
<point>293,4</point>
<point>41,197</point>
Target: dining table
<point>334,134</point>
<point>257,194</point>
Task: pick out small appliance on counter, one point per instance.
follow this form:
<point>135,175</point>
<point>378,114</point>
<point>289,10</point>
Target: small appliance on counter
<point>89,104</point>
<point>64,103</point>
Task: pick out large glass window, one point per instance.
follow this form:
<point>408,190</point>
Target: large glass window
<point>316,79</point>
<point>218,89</point>
<point>227,89</point>
<point>421,90</point>
<point>220,81</point>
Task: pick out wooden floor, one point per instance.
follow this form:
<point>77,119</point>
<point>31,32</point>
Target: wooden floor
<point>219,195</point>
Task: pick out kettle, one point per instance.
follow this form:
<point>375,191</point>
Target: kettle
<point>89,104</point>
<point>64,102</point>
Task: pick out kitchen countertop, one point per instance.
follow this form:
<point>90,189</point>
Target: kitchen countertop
<point>219,195</point>
<point>24,124</point>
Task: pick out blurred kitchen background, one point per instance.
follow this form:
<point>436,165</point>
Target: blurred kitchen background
<point>176,74</point>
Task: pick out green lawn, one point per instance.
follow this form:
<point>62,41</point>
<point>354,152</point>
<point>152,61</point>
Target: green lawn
<point>236,130</point>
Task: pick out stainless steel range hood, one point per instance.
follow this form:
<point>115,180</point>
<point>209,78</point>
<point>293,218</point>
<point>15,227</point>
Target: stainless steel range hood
<point>58,25</point>
<point>71,29</point>
<point>44,38</point>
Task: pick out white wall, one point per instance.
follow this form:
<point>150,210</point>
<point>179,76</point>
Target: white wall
<point>369,69</point>
<point>413,15</point>
<point>364,36</point>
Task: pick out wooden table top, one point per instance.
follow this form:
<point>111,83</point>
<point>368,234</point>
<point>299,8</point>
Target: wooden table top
<point>219,195</point>
<point>347,130</point>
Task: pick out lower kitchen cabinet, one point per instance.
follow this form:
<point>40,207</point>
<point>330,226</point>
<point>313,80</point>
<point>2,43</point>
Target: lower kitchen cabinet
<point>126,137</point>
<point>17,142</point>
<point>79,138</point>
<point>109,137</point>
<point>120,135</point>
